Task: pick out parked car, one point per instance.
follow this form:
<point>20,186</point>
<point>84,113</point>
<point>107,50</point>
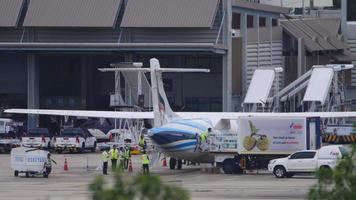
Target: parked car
<point>38,138</point>
<point>307,161</point>
<point>75,139</point>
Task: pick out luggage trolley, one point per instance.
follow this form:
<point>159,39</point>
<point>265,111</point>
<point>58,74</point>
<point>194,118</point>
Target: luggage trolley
<point>29,161</point>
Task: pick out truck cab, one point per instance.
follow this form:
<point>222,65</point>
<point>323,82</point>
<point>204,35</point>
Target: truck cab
<point>307,161</point>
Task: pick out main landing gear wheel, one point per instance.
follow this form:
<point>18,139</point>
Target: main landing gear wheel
<point>172,163</point>
<point>179,165</point>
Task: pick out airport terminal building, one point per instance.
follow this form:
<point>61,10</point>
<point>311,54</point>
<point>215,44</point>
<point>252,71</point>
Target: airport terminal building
<point>50,50</point>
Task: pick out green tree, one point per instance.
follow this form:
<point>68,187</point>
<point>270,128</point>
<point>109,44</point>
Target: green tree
<point>139,187</point>
<point>339,183</point>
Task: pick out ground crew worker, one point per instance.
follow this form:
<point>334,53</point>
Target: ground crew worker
<point>105,157</point>
<point>142,142</point>
<point>121,158</point>
<point>48,164</point>
<point>145,163</point>
<point>198,143</point>
<point>114,155</point>
<point>127,156</point>
<point>204,138</point>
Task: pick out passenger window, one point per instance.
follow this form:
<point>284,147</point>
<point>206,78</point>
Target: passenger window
<point>296,155</point>
<point>308,155</point>
<point>303,155</point>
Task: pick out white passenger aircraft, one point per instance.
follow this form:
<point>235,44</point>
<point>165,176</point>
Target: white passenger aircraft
<point>175,132</point>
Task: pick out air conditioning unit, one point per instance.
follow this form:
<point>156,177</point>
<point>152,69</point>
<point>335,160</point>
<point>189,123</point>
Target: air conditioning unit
<point>235,33</point>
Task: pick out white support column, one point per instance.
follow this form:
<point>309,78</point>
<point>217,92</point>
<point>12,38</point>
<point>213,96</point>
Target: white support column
<point>269,25</point>
<point>243,27</point>
<point>32,89</point>
<point>344,19</point>
<point>227,58</point>
<point>300,56</point>
<point>256,25</point>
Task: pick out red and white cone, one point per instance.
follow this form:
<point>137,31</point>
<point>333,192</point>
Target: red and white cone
<point>130,166</point>
<point>65,168</point>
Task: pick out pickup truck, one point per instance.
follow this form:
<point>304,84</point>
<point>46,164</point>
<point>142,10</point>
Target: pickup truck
<point>9,141</point>
<point>38,138</point>
<point>307,161</point>
<point>75,139</point>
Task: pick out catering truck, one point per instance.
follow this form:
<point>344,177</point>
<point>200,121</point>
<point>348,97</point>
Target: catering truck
<point>251,142</point>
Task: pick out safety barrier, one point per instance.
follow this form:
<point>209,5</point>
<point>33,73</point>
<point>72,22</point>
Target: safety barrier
<point>332,138</point>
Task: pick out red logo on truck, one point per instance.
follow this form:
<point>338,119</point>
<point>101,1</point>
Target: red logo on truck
<point>296,126</point>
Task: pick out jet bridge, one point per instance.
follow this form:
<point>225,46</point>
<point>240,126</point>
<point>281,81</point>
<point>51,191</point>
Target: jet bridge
<point>260,88</point>
<point>323,87</point>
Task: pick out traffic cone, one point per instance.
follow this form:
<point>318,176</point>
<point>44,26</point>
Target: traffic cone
<point>164,162</point>
<point>130,166</point>
<point>65,165</point>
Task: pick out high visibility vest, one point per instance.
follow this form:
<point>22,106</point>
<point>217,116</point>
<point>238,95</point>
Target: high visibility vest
<point>141,142</point>
<point>203,136</point>
<point>127,153</point>
<point>114,154</point>
<point>145,159</point>
<point>105,156</point>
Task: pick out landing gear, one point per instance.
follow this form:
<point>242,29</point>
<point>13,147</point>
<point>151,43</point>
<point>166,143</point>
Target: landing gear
<point>179,165</point>
<point>172,163</point>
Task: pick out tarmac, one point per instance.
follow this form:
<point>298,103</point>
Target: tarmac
<point>83,168</point>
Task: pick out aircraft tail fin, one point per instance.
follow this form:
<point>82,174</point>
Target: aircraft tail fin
<point>161,105</point>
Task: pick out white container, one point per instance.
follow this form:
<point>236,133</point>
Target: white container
<point>28,160</point>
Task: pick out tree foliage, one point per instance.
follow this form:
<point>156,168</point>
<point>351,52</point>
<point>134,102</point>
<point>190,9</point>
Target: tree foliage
<point>339,183</point>
<point>139,187</point>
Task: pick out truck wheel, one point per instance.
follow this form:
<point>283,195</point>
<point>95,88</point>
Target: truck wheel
<point>326,169</point>
<point>172,163</point>
<point>228,166</point>
<point>81,150</point>
<point>237,169</point>
<point>16,173</point>
<point>27,174</point>
<point>289,175</point>
<point>179,164</point>
<point>94,147</point>
<point>279,172</point>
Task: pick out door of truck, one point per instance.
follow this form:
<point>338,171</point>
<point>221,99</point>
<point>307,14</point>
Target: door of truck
<point>301,161</point>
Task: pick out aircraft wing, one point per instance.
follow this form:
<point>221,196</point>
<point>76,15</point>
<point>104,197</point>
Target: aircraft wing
<point>236,115</point>
<point>186,115</point>
<point>85,113</point>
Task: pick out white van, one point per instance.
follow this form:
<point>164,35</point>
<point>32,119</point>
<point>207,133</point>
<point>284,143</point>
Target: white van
<point>307,161</point>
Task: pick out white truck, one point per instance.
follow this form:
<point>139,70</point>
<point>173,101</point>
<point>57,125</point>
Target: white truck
<point>307,161</point>
<point>38,138</point>
<point>75,139</point>
<point>251,142</point>
<point>8,138</point>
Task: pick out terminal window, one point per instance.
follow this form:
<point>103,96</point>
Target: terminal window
<point>351,7</point>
